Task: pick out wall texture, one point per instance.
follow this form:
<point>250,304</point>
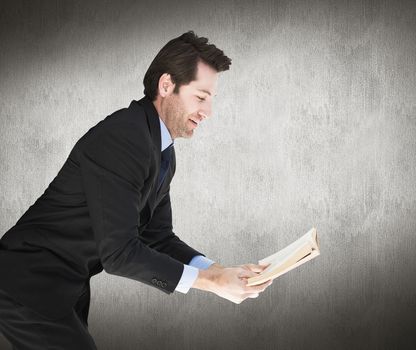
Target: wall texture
<point>314,125</point>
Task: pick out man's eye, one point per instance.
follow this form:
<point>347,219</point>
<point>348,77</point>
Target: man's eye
<point>201,99</point>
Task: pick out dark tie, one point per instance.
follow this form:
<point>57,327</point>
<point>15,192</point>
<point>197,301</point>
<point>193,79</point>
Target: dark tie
<point>164,164</point>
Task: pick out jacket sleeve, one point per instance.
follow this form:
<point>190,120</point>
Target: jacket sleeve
<point>158,234</point>
<point>114,167</point>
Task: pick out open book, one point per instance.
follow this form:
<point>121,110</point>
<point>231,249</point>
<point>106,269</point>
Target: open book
<point>294,255</point>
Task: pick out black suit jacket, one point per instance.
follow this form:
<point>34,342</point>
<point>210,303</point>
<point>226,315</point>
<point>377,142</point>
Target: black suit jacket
<point>102,211</point>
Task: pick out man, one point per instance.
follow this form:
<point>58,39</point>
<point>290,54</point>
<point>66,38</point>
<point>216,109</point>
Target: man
<point>109,208</point>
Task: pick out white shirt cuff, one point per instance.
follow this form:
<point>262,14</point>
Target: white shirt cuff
<point>189,275</point>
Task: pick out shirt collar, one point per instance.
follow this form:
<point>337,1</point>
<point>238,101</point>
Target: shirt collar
<point>165,135</point>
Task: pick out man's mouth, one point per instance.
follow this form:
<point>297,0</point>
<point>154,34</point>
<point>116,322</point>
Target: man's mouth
<point>194,122</point>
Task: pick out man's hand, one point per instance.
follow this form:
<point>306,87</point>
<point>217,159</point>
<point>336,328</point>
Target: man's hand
<point>231,282</point>
<point>254,267</point>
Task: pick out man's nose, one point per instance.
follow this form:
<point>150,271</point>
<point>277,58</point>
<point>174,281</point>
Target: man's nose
<point>205,113</point>
<point>202,115</point>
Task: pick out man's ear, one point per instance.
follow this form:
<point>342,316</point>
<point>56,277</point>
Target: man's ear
<point>166,86</point>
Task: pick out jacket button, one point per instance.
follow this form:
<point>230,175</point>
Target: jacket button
<point>164,284</point>
<point>159,283</point>
<point>154,280</point>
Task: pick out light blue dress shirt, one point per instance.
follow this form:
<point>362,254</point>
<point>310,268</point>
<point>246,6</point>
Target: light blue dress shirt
<point>190,272</point>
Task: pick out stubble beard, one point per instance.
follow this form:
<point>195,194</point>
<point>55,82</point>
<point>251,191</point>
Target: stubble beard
<point>176,119</point>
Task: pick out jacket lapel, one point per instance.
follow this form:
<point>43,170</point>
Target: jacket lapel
<point>154,195</point>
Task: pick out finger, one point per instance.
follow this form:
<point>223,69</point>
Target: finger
<point>245,267</point>
<point>246,273</point>
<point>265,266</point>
<point>270,281</point>
<point>253,295</point>
<point>259,287</point>
<point>255,268</point>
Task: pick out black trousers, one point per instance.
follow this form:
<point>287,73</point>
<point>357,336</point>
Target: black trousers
<point>25,329</point>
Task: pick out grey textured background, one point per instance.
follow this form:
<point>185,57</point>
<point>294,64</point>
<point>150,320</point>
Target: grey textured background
<point>314,125</point>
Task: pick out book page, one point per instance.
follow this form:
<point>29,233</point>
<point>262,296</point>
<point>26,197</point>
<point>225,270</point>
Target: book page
<point>294,255</point>
<point>283,254</point>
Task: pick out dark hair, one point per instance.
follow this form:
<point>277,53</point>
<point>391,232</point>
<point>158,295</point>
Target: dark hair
<point>179,57</point>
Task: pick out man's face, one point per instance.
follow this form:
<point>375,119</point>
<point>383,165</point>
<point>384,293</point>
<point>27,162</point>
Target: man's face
<point>183,111</point>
